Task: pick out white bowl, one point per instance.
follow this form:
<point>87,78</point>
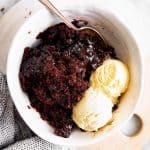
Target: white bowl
<point>115,33</point>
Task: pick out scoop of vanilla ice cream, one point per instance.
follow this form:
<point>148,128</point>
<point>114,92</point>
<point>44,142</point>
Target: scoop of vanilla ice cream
<point>93,111</point>
<point>112,77</point>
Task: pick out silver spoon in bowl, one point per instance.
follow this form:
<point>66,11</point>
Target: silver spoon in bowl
<point>87,29</point>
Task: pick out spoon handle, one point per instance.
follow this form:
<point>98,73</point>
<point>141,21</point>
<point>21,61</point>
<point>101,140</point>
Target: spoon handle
<point>49,5</point>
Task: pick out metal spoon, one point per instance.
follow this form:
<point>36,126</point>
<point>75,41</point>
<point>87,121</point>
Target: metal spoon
<point>87,29</point>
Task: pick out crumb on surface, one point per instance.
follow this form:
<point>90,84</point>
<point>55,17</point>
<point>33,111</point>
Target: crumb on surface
<point>2,9</point>
<point>29,107</point>
<point>30,12</point>
<point>29,32</point>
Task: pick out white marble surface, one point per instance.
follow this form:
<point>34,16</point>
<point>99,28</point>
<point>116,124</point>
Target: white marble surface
<point>143,7</point>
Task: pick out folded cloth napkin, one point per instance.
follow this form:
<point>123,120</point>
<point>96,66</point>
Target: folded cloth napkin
<point>14,134</point>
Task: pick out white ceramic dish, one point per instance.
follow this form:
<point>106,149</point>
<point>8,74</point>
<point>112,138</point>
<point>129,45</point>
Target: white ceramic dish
<point>117,35</point>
